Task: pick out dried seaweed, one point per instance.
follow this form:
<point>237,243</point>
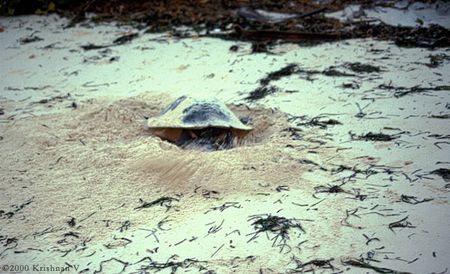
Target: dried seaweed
<point>403,91</point>
<point>437,60</point>
<point>328,189</point>
<point>261,92</point>
<point>163,201</point>
<point>91,46</point>
<point>370,239</point>
<point>71,222</point>
<point>215,228</point>
<point>279,226</point>
<point>58,98</point>
<point>403,223</point>
<point>125,39</point>
<point>413,200</point>
<point>337,189</point>
<point>360,263</point>
<point>30,39</point>
<point>321,263</point>
<point>113,259</point>
<point>440,116</point>
<point>318,122</point>
<point>443,172</point>
<point>225,206</point>
<point>333,72</point>
<point>370,136</point>
<point>310,162</point>
<point>294,133</point>
<point>260,47</point>
<point>173,265</point>
<point>348,214</point>
<point>283,72</point>
<point>17,208</point>
<point>124,226</point>
<point>282,188</point>
<point>439,136</point>
<point>362,68</point>
<point>210,194</point>
<point>217,250</point>
<point>285,36</point>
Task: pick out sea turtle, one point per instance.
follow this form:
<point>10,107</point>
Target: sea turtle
<point>204,122</point>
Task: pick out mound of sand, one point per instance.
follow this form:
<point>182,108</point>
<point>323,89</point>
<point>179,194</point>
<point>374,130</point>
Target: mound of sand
<point>98,159</point>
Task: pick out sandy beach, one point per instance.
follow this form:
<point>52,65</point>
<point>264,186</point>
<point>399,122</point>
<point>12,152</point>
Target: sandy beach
<point>341,174</point>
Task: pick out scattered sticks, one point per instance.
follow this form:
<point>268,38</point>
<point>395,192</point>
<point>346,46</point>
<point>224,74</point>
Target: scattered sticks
<point>403,91</point>
<point>360,263</point>
<point>163,201</point>
<point>413,200</point>
<point>401,223</point>
<point>370,136</point>
<point>280,226</point>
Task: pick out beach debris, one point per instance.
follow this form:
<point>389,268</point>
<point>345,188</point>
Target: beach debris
<point>351,85</point>
<point>403,91</point>
<point>329,189</point>
<point>315,263</point>
<point>317,121</point>
<point>9,214</point>
<point>278,74</point>
<point>124,39</point>
<point>91,46</point>
<point>265,89</point>
<point>282,188</point>
<point>261,92</point>
<point>58,98</point>
<point>163,201</point>
<point>260,47</point>
<point>401,223</point>
<point>210,194</point>
<point>362,68</point>
<point>370,239</point>
<point>413,199</point>
<point>370,136</point>
<point>440,116</point>
<point>113,259</point>
<point>263,15</point>
<point>279,226</point>
<point>333,72</point>
<point>284,21</point>
<point>30,39</point>
<point>437,60</point>
<point>360,263</point>
<point>285,36</point>
<point>71,222</point>
<point>290,69</point>
<point>432,37</point>
<point>226,205</point>
<point>443,172</point>
<point>203,123</point>
<point>173,264</point>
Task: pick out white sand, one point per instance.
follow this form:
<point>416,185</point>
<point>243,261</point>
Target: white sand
<point>95,162</point>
